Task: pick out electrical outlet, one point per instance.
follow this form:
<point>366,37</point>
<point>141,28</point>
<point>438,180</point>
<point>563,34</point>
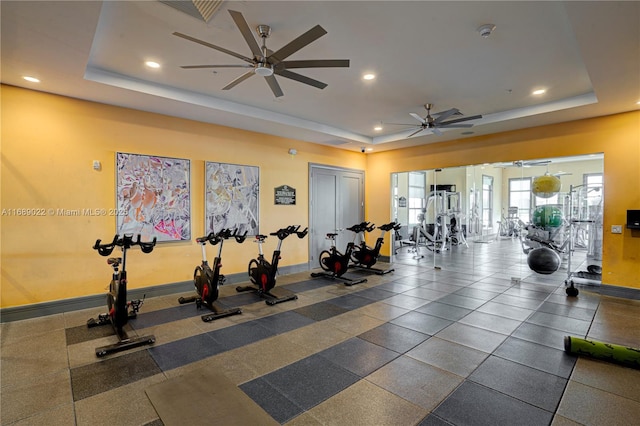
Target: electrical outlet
<point>616,229</point>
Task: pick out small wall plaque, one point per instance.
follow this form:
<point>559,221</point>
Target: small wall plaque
<point>285,195</point>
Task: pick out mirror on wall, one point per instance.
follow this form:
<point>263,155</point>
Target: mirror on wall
<point>512,220</point>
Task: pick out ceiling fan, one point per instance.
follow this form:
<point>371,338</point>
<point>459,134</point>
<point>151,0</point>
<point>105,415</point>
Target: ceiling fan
<point>533,163</point>
<point>437,123</point>
<point>265,62</point>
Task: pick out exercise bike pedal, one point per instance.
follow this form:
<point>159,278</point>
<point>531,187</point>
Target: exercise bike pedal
<point>101,320</point>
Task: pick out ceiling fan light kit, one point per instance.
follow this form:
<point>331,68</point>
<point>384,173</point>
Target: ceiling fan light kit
<point>486,30</point>
<point>264,70</point>
<point>265,62</point>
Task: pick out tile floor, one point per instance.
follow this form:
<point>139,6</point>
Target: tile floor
<point>459,345</point>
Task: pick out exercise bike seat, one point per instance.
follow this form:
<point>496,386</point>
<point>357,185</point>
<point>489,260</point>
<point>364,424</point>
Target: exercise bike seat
<point>331,236</point>
<point>114,261</point>
<point>260,238</point>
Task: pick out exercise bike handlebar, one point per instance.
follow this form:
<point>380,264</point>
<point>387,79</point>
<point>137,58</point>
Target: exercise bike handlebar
<point>292,229</point>
<point>105,249</point>
<point>362,227</point>
<point>126,242</point>
<point>239,238</point>
<point>146,247</point>
<point>223,234</point>
<point>302,234</point>
<point>389,226</point>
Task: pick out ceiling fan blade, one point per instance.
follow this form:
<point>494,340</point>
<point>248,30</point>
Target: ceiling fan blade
<point>318,63</point>
<point>191,67</point>
<point>213,46</point>
<point>284,52</point>
<point>436,131</point>
<point>273,84</point>
<point>443,115</point>
<point>416,132</point>
<point>454,125</point>
<point>301,78</point>
<point>242,25</point>
<point>239,80</point>
<point>417,117</point>
<point>459,120</point>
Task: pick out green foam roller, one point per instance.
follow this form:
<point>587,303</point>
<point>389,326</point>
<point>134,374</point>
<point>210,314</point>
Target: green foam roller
<point>618,354</point>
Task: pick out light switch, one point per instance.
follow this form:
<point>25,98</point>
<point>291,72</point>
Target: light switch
<point>616,229</point>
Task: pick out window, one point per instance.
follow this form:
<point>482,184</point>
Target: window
<point>487,201</point>
<point>520,197</point>
<point>417,184</point>
<point>593,183</point>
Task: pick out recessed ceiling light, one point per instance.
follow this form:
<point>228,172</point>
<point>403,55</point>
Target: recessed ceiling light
<point>152,64</point>
<point>638,103</point>
<point>369,76</point>
<point>377,128</point>
<point>538,92</point>
<point>31,79</point>
<point>369,149</point>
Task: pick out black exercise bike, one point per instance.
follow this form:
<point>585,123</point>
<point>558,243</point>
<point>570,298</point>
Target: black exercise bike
<point>364,256</point>
<point>334,263</point>
<point>207,280</point>
<point>120,311</point>
<point>263,274</point>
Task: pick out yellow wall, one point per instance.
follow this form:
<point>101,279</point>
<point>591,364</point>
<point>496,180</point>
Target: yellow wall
<point>618,136</point>
<point>49,142</point>
<point>48,147</point>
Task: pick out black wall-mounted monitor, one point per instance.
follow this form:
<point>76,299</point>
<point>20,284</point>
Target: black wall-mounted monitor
<point>633,219</point>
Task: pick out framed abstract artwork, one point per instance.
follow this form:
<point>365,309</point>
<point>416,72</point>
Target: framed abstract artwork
<point>153,197</point>
<point>232,197</point>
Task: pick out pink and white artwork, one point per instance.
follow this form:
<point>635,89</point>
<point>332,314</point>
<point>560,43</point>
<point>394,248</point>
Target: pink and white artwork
<point>153,197</point>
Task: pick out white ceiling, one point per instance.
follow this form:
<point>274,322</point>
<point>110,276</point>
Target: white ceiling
<point>586,54</point>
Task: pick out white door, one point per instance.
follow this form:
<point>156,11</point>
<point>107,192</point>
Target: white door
<point>336,202</point>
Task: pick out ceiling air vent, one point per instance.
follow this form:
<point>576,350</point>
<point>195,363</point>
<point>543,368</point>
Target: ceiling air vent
<point>199,9</point>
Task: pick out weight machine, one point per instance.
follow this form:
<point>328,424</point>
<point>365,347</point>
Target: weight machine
<point>585,222</point>
<point>446,230</point>
<point>510,226</point>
